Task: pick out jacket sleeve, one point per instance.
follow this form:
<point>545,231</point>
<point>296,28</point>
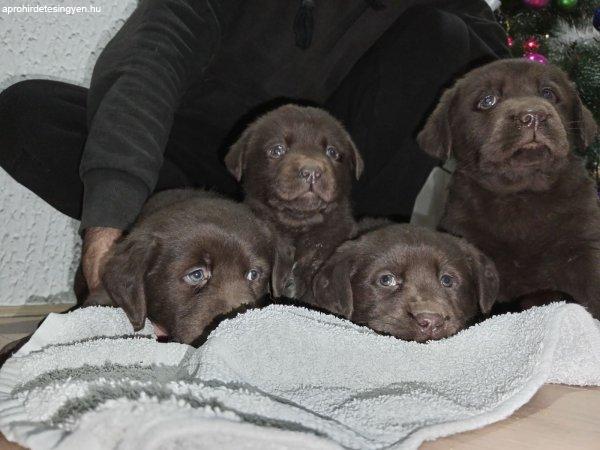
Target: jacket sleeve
<point>488,38</point>
<point>136,87</point>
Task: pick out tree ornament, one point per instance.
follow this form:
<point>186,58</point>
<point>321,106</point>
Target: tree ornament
<point>510,41</point>
<point>531,45</point>
<point>536,57</point>
<point>536,4</point>
<point>567,4</point>
<point>596,19</point>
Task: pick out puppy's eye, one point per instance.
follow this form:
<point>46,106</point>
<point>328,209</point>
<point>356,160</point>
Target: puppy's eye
<point>277,151</point>
<point>197,277</point>
<point>252,275</point>
<point>388,280</point>
<point>487,102</point>
<point>549,94</point>
<point>447,280</point>
<point>332,152</point>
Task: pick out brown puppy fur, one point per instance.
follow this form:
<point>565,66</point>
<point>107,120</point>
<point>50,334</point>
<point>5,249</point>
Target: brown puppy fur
<point>191,258</point>
<point>519,192</point>
<point>296,165</point>
<point>408,282</point>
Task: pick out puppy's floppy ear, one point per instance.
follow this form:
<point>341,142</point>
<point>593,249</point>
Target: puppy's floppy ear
<point>332,287</point>
<point>124,277</point>
<point>485,275</point>
<point>586,125</point>
<point>435,138</point>
<point>283,262</point>
<point>357,161</point>
<point>235,159</point>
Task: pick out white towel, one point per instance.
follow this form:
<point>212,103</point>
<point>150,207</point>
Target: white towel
<point>282,377</point>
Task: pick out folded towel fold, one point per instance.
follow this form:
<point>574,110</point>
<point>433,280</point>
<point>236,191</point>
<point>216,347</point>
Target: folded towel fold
<point>282,377</point>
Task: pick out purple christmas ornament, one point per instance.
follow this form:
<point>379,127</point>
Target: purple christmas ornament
<point>536,57</point>
<point>537,4</point>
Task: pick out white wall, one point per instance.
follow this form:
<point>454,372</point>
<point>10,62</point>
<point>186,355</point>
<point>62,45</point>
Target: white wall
<point>39,247</point>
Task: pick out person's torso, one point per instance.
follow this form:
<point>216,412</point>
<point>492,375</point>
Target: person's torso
<point>258,61</point>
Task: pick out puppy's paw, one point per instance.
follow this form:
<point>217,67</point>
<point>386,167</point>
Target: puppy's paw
<point>294,287</point>
<point>289,289</point>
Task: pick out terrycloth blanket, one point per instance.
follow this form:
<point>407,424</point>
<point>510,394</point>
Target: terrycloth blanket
<point>282,377</point>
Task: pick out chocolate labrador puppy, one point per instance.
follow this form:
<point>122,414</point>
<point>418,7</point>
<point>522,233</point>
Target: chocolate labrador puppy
<point>191,258</point>
<point>296,165</point>
<point>406,281</point>
<point>520,193</point>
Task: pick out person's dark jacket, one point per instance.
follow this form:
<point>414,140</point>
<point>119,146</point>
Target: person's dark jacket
<point>214,60</point>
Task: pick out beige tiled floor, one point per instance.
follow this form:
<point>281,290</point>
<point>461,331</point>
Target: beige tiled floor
<point>557,418</point>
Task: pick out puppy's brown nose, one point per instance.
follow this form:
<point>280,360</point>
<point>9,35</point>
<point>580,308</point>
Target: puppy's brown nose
<point>310,174</point>
<point>429,322</point>
<point>532,118</point>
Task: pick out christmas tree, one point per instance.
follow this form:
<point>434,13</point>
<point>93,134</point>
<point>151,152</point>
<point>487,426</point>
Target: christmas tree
<point>566,33</point>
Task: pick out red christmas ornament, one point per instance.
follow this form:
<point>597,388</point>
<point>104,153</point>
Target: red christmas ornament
<point>510,41</point>
<point>531,45</point>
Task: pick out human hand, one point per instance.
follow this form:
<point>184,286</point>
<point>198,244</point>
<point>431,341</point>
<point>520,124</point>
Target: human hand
<point>97,242</point>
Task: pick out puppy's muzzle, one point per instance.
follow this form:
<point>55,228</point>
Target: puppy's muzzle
<point>310,174</point>
<point>535,137</point>
<point>429,325</point>
<point>533,118</point>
